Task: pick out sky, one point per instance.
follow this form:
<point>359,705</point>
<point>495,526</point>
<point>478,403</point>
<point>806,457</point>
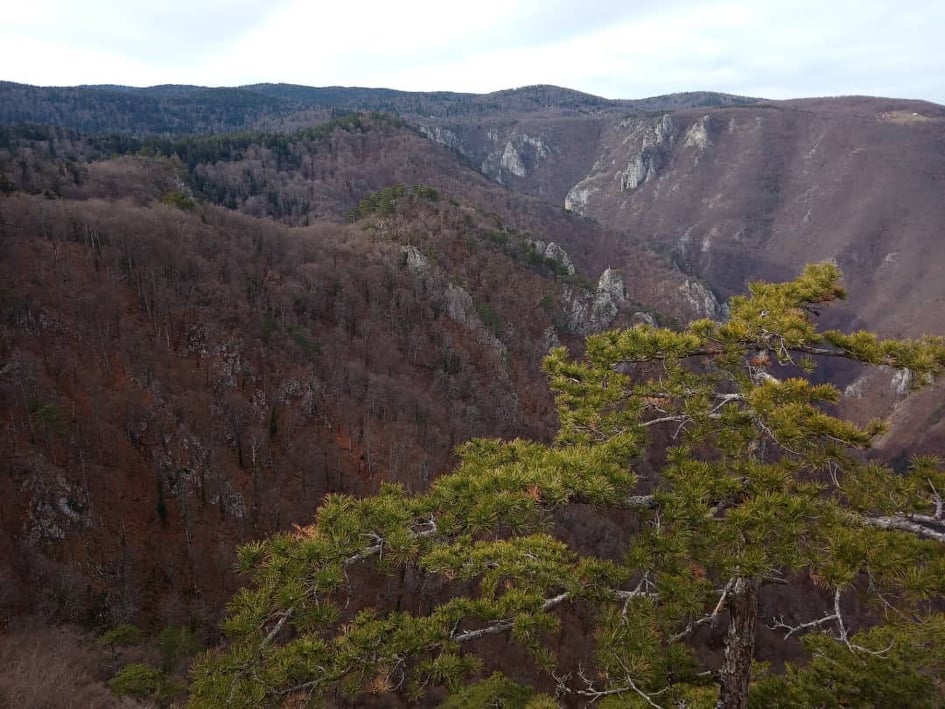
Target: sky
<point>612,48</point>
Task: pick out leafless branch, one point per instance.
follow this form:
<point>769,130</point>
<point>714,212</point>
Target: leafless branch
<point>642,590</point>
<point>923,525</point>
<point>376,549</point>
<point>937,501</point>
<point>660,357</point>
<point>278,626</point>
<point>595,694</point>
<point>721,507</point>
<point>764,427</point>
<point>427,529</point>
<point>726,399</point>
<point>779,624</point>
<point>666,419</point>
<point>835,617</point>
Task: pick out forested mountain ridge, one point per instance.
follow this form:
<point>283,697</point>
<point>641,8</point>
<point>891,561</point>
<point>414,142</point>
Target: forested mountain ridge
<point>323,173</point>
<point>179,109</point>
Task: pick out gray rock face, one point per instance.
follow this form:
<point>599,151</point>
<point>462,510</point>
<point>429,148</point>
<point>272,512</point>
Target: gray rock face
<point>702,300</point>
<point>457,301</point>
<point>593,313</point>
<point>56,508</point>
<point>611,295</point>
<point>511,161</point>
<point>459,306</point>
<point>901,381</point>
<point>415,261</point>
<point>517,156</point>
<point>655,142</point>
<point>645,148</point>
<point>444,136</point>
<point>577,198</point>
<point>553,251</point>
<point>698,136</point>
<point>637,172</point>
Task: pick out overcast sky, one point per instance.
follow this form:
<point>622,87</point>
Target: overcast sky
<point>613,48</point>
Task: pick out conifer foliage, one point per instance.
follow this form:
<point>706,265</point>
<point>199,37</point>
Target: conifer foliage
<point>762,484</point>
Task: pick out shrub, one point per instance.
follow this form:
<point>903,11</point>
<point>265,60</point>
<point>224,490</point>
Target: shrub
<point>121,636</point>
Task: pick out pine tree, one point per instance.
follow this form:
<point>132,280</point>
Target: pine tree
<point>761,483</point>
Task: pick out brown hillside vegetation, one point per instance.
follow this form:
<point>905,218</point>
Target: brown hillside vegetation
<point>740,192</point>
<point>323,174</point>
<point>176,382</point>
<point>42,667</point>
<point>179,379</point>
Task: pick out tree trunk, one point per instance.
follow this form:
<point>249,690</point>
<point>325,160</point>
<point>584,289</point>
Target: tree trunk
<point>739,645</point>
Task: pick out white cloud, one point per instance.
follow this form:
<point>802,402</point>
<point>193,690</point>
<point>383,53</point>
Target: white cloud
<point>617,49</point>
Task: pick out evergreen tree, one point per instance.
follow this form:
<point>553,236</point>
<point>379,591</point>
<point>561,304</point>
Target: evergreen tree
<point>762,484</point>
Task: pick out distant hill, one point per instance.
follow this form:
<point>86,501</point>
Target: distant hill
<point>179,109</point>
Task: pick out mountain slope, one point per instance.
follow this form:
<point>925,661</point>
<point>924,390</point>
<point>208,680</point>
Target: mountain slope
<point>179,377</point>
<point>175,382</point>
<point>737,194</point>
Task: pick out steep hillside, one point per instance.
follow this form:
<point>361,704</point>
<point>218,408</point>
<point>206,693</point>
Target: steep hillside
<point>175,382</point>
<point>742,192</point>
<point>323,173</point>
<point>177,377</point>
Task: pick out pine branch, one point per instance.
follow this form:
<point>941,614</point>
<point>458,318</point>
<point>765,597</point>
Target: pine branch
<point>378,547</point>
<point>500,626</point>
<point>367,552</point>
<point>495,628</point>
<point>662,356</point>
<point>683,419</point>
<point>711,618</point>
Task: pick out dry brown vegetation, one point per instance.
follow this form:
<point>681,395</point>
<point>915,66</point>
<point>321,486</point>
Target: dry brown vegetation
<point>43,667</point>
<point>178,381</point>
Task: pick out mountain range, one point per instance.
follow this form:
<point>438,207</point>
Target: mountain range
<point>220,304</point>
